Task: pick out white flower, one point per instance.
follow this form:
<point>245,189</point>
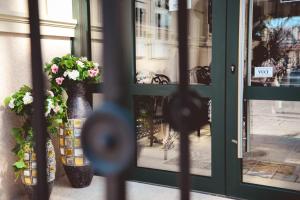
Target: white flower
<point>83,59</point>
<point>74,74</point>
<point>50,93</point>
<point>11,103</point>
<point>96,64</point>
<point>49,107</point>
<point>80,64</point>
<point>56,109</point>
<point>27,99</point>
<point>66,73</point>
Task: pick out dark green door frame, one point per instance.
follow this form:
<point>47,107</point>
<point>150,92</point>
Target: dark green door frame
<point>234,184</point>
<point>226,168</point>
<point>216,91</point>
<point>81,43</point>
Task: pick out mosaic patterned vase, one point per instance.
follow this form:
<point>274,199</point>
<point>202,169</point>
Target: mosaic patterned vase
<point>77,167</point>
<point>29,175</point>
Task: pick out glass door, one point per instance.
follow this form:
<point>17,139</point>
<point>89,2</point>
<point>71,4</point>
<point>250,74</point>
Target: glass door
<point>156,77</point>
<point>263,93</point>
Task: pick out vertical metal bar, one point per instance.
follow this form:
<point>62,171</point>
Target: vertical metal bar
<point>250,26</point>
<point>249,74</point>
<point>39,121</point>
<point>118,58</point>
<point>115,188</point>
<point>183,22</point>
<point>241,64</point>
<point>184,166</point>
<point>118,41</point>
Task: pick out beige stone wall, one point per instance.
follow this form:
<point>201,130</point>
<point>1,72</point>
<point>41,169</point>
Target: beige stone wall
<point>57,26</point>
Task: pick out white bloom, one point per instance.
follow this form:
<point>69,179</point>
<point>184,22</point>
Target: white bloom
<point>74,74</point>
<point>50,93</point>
<point>83,59</point>
<point>56,109</point>
<point>66,73</point>
<point>11,103</point>
<point>96,64</point>
<point>49,107</point>
<point>27,99</point>
<point>80,64</point>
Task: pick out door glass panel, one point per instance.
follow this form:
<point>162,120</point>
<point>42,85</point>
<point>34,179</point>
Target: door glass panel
<point>274,43</point>
<point>158,145</point>
<point>157,45</point>
<point>272,154</point>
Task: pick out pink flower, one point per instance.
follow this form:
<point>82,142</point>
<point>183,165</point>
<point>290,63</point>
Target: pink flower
<point>59,80</point>
<point>93,72</point>
<point>54,68</point>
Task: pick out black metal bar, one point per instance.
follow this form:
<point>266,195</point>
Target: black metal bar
<point>117,52</point>
<point>117,17</point>
<point>115,188</point>
<point>184,166</point>
<point>39,121</point>
<point>183,22</point>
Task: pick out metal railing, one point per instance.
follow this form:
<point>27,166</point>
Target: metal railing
<point>110,126</point>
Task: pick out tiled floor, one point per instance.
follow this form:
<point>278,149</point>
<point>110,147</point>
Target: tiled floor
<point>274,156</point>
<point>136,191</point>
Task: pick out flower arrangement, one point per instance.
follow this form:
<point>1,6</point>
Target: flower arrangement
<point>68,69</point>
<point>20,103</point>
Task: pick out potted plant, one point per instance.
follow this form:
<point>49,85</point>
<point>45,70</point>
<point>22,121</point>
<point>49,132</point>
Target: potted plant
<point>20,102</point>
<point>72,74</point>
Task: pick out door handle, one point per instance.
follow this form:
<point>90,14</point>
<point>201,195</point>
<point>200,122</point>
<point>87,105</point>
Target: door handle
<point>232,68</point>
<point>240,71</point>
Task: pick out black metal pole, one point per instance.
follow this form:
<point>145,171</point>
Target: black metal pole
<point>115,188</point>
<point>39,121</point>
<point>183,22</point>
<point>117,18</point>
<point>118,56</point>
<point>184,166</point>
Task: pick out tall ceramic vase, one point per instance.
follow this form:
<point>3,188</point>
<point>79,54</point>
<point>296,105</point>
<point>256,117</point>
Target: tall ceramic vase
<point>29,175</point>
<point>76,165</point>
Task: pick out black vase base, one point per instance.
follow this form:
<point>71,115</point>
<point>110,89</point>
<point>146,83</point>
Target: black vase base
<point>79,177</point>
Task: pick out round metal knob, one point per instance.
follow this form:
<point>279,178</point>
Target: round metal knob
<point>108,139</point>
<point>186,111</point>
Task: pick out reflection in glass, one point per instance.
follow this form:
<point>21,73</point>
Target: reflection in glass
<point>273,151</point>
<point>157,45</point>
<point>274,43</point>
<point>159,144</point>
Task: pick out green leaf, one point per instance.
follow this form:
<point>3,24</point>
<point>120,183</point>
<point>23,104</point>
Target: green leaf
<point>6,101</point>
<point>17,174</point>
<point>19,164</point>
<point>17,133</point>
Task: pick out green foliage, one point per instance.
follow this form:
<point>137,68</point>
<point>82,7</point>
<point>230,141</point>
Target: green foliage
<point>20,103</point>
<point>19,165</point>
<point>6,101</point>
<point>24,143</point>
<point>71,69</point>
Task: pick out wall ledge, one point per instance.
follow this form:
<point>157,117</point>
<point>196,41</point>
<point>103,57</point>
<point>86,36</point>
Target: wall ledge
<point>49,27</point>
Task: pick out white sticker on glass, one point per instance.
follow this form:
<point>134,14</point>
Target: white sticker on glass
<point>263,72</point>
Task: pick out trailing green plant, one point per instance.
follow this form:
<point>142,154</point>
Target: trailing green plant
<point>20,103</point>
<point>68,69</point>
